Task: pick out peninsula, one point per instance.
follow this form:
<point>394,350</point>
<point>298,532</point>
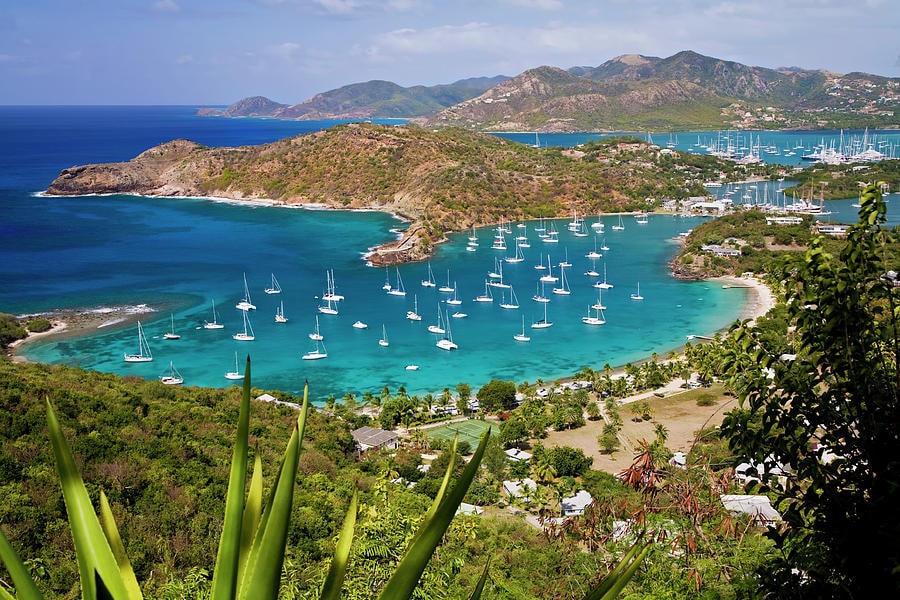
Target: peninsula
<point>440,181</point>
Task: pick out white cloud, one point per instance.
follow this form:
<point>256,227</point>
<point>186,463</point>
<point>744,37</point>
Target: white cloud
<point>184,59</point>
<point>535,4</point>
<point>166,6</point>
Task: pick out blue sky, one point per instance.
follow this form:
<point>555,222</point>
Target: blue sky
<point>217,52</point>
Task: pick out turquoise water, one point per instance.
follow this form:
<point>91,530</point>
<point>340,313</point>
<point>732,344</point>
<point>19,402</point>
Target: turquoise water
<point>178,256</point>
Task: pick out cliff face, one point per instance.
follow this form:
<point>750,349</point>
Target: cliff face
<point>160,171</point>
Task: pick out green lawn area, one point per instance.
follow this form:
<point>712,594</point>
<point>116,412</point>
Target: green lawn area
<point>469,431</point>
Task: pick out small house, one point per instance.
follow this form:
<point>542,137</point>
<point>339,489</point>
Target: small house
<point>757,506</point>
<point>575,505</point>
<point>368,438</point>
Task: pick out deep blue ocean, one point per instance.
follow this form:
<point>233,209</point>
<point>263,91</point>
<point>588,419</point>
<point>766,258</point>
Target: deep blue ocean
<point>179,256</point>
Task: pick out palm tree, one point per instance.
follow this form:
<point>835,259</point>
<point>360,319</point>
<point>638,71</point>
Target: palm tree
<point>543,471</point>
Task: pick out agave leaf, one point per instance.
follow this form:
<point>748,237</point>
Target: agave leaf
<point>479,587</point>
<point>331,589</point>
<point>444,483</point>
<point>262,574</point>
<point>95,558</point>
<point>403,582</point>
<point>4,595</point>
<point>228,556</point>
<point>118,549</point>
<point>252,514</point>
<point>21,578</point>
<point>612,585</point>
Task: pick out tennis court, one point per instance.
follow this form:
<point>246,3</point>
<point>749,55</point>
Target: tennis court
<point>469,431</point>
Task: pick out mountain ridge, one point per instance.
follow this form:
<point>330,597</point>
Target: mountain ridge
<point>630,92</point>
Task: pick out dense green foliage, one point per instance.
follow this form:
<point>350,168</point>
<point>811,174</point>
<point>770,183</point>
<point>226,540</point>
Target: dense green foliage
<point>844,181</point>
<point>10,330</point>
<point>820,404</point>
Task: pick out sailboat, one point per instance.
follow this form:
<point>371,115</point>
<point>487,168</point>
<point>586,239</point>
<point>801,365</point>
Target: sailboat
<point>637,296</point>
<point>383,341</point>
<point>549,277</point>
<point>620,226</point>
<point>603,285</point>
<point>437,327</point>
<point>486,296</point>
<point>315,335</point>
<point>245,303</point>
<point>279,314</point>
<point>540,296</point>
<point>143,354</point>
<point>387,281</point>
<point>214,324</point>
<point>598,305</point>
<point>642,219</point>
<point>247,334</point>
<point>398,290</point>
<point>446,288</point>
<point>542,323</point>
<point>316,354</point>
<point>446,342</point>
<point>563,288</point>
<point>593,253</point>
<point>521,337</point>
<point>234,374</point>
<point>330,294</point>
<point>413,315</point>
<point>171,335</point>
<point>275,288</point>
<point>512,303</point>
<point>565,263</point>
<point>454,300</point>
<point>430,281</point>
<point>517,257</point>
<point>173,378</point>
<point>596,319</point>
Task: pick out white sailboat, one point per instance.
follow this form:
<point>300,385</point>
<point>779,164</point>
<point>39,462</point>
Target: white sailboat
<point>173,378</point>
<point>620,226</point>
<point>540,265</point>
<point>413,315</point>
<point>387,281</point>
<point>540,296</point>
<point>512,303</point>
<point>637,296</point>
<point>214,324</point>
<point>398,290</point>
<point>437,328</point>
<point>143,353</point>
<point>521,337</point>
<point>598,305</point>
<point>384,339</point>
<point>542,323</point>
<point>563,288</point>
<point>642,219</point>
<point>429,282</point>
<point>316,354</point>
<point>517,257</point>
<point>549,277</point>
<point>245,303</point>
<point>565,263</point>
<point>275,287</point>
<point>247,334</point>
<point>597,319</point>
<point>234,374</point>
<point>360,325</point>
<point>328,308</point>
<point>593,253</point>
<point>603,285</point>
<point>446,287</point>
<point>279,313</point>
<point>329,288</point>
<point>454,300</point>
<point>171,335</point>
<point>486,296</point>
<point>316,335</point>
<point>446,342</point>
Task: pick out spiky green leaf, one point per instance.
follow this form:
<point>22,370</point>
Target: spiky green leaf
<point>331,589</point>
<point>21,578</point>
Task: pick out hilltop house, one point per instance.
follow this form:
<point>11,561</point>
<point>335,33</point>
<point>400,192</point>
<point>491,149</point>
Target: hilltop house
<point>368,438</point>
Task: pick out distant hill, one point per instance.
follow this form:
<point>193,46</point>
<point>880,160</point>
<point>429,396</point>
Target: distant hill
<point>370,100</point>
<point>631,92</point>
<point>685,91</point>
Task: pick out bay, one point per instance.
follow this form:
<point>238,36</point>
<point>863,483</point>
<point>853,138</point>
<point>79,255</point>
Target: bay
<point>178,256</point>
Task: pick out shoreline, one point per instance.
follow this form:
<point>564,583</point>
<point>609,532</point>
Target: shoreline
<point>78,322</point>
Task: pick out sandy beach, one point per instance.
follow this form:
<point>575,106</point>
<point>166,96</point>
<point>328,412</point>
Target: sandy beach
<point>79,322</point>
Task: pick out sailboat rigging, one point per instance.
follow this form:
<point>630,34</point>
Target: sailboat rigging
<point>143,354</point>
<point>173,378</point>
<point>247,334</point>
<point>245,303</point>
<point>214,324</point>
<point>234,374</point>
<point>171,335</point>
<point>275,287</point>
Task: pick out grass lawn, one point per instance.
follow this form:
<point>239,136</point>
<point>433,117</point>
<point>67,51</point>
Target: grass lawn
<point>469,431</point>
